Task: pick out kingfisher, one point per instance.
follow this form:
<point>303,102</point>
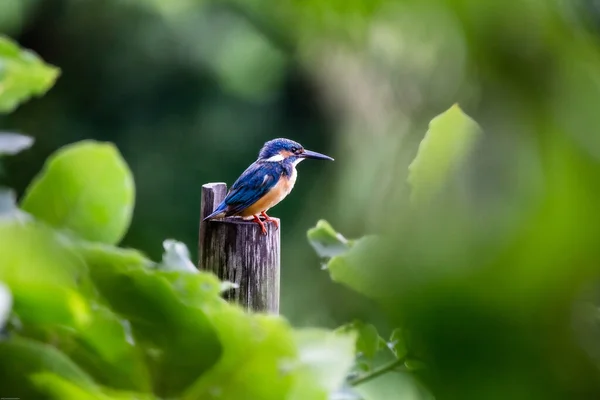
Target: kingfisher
<point>266,182</point>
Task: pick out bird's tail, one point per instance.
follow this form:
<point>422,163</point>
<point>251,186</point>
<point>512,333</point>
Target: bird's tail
<point>219,212</point>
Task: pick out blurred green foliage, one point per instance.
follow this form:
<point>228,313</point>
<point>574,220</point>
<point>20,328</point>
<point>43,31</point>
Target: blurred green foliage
<point>492,283</point>
<point>23,75</point>
<point>84,319</point>
<point>96,202</point>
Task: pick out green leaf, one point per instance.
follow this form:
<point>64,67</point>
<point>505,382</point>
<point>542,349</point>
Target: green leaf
<point>168,326</point>
<point>351,262</point>
<point>259,355</point>
<point>326,241</point>
<point>325,358</point>
<point>268,361</point>
<point>23,357</point>
<point>354,269</point>
<point>202,289</point>
<point>22,75</point>
<point>392,385</point>
<point>61,389</point>
<point>13,143</point>
<point>42,274</point>
<point>44,304</point>
<point>108,350</point>
<point>87,188</point>
<point>397,343</point>
<point>448,141</point>
<point>368,341</point>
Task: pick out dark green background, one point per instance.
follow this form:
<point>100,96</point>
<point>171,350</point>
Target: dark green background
<point>132,78</point>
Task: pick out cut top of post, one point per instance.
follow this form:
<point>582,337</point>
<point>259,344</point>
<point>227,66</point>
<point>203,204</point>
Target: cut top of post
<point>212,195</point>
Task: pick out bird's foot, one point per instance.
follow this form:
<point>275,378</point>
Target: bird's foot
<point>269,219</point>
<point>262,226</point>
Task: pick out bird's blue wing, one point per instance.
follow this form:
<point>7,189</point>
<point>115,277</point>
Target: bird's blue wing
<point>256,181</point>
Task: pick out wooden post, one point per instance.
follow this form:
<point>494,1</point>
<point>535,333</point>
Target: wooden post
<point>237,251</point>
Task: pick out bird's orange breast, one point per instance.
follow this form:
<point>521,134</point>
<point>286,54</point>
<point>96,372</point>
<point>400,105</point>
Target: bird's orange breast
<point>274,196</point>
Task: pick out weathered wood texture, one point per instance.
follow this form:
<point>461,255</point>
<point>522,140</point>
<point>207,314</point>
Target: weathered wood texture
<point>237,251</point>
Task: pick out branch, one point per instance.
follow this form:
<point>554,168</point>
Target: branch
<point>376,372</point>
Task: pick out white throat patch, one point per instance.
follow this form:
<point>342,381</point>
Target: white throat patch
<point>275,158</point>
<point>298,161</point>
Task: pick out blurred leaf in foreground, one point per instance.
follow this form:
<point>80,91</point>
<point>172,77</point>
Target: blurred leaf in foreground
<point>87,188</point>
<point>350,262</point>
<point>398,343</point>
<point>162,321</point>
<point>262,354</point>
<point>109,352</point>
<point>22,75</point>
<point>326,241</point>
<point>368,341</point>
<point>325,359</point>
<point>392,386</point>
<point>62,389</point>
<point>41,274</point>
<point>445,147</point>
<point>23,357</point>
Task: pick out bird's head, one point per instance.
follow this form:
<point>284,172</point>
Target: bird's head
<point>277,150</point>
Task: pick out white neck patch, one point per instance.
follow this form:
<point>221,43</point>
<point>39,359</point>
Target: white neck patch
<point>275,158</point>
<point>298,161</point>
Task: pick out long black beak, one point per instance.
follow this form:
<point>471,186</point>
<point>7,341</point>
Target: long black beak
<point>315,155</point>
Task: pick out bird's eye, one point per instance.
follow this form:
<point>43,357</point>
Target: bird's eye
<point>294,149</point>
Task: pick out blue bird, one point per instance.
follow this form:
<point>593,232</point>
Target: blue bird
<point>265,182</point>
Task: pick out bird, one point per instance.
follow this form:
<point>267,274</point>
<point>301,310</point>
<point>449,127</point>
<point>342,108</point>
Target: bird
<point>265,183</point>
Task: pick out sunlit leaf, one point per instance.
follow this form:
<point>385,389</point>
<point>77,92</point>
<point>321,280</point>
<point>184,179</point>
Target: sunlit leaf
<point>47,304</point>
<point>87,188</point>
<point>448,141</point>
<point>42,274</point>
<point>62,389</point>
<point>22,75</point>
<point>35,254</point>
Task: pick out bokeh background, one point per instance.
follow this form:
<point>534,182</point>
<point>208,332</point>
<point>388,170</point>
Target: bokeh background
<point>189,90</point>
